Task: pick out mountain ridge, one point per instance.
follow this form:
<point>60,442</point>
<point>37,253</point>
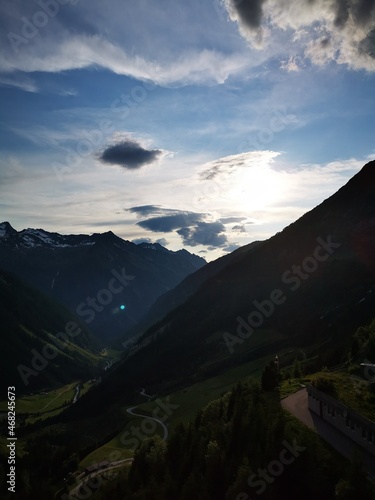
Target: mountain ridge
<point>325,304</point>
<point>39,347</point>
<point>78,269</point>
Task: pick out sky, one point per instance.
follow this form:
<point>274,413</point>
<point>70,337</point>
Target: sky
<point>199,125</point>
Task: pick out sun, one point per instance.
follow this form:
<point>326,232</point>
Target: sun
<point>253,188</point>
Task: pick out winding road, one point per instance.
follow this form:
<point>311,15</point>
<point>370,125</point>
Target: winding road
<point>165,428</point>
<point>86,480</point>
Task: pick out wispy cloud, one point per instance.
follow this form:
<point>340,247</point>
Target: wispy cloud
<point>203,66</point>
<point>231,164</point>
<point>20,82</point>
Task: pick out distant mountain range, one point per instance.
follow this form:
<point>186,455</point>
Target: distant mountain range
<point>312,284</point>
<point>109,283</point>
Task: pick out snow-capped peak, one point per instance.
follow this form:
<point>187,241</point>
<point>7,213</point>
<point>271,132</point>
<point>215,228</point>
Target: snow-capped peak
<point>30,238</point>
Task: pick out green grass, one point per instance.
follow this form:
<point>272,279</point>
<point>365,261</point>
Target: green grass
<point>350,390</point>
<point>45,404</point>
<point>189,400</point>
<point>195,397</point>
<point>288,387</point>
<point>106,452</point>
<point>110,353</point>
<point>116,448</point>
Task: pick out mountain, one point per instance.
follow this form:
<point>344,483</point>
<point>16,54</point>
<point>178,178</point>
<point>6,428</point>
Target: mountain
<point>41,343</point>
<point>175,297</point>
<point>311,285</point>
<point>108,282</point>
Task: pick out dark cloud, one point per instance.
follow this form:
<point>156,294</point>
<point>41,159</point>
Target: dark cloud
<point>240,228</point>
<point>367,46</point>
<point>250,12</point>
<point>145,210</point>
<point>129,154</point>
<point>191,226</point>
<point>168,223</point>
<point>230,220</point>
<point>165,219</point>
<point>342,13</point>
<point>204,233</point>
<point>343,23</point>
<point>162,241</point>
<point>363,10</point>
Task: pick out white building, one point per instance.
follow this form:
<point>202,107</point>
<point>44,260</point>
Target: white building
<point>358,428</point>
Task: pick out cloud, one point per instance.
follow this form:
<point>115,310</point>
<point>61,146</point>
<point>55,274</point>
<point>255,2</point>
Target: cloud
<point>230,220</point>
<point>144,210</point>
<point>248,14</point>
<point>204,233</point>
<point>291,64</point>
<point>82,51</point>
<point>165,219</point>
<point>230,164</point>
<point>22,83</point>
<point>239,228</point>
<point>193,227</point>
<point>109,36</point>
<point>129,154</point>
<point>168,223</point>
<point>138,241</point>
<point>161,241</point>
<point>326,30</point>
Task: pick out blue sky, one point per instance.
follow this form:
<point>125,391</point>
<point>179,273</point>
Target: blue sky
<point>199,124</point>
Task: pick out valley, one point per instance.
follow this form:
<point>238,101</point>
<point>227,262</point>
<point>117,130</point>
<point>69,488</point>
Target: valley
<point>184,398</point>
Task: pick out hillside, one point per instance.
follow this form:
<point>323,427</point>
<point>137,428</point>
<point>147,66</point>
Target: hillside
<point>311,284</point>
<point>41,343</point>
<point>108,282</point>
<point>302,294</point>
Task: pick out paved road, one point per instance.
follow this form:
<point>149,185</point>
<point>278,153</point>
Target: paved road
<point>297,405</point>
<point>165,428</point>
<point>120,463</point>
<point>87,479</point>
